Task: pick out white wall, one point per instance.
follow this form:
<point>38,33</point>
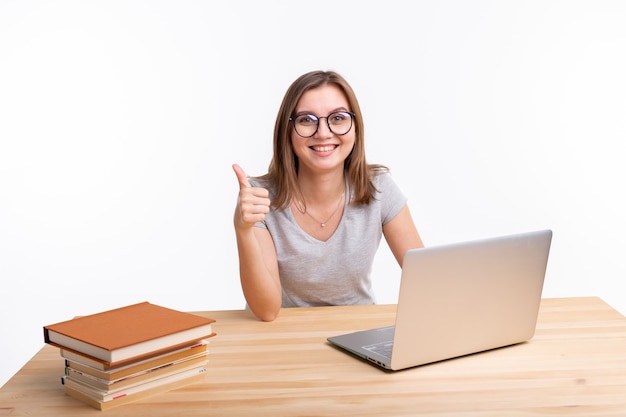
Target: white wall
<point>119,121</point>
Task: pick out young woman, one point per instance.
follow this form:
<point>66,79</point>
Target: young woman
<point>308,230</point>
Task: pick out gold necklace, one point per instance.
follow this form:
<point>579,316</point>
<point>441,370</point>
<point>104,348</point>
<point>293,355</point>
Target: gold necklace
<point>323,224</point>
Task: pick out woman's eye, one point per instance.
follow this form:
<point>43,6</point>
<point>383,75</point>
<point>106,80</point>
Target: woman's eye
<point>339,117</point>
<point>307,119</point>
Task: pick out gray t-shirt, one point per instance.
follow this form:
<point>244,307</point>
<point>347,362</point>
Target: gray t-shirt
<point>335,272</point>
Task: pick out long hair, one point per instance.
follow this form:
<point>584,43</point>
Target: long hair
<point>283,168</point>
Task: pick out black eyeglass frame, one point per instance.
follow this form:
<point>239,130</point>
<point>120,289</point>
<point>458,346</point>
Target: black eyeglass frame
<point>318,118</point>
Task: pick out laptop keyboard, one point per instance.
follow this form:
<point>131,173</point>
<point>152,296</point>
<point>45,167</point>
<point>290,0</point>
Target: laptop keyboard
<point>381,348</point>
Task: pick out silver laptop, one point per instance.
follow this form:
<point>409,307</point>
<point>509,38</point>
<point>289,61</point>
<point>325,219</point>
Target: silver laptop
<point>459,299</point>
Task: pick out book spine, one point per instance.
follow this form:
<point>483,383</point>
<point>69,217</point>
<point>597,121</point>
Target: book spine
<point>46,336</point>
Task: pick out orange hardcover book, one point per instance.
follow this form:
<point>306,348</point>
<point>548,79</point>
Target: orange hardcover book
<point>128,333</point>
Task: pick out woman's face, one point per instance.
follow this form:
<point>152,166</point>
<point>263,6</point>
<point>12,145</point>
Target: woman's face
<point>324,151</point>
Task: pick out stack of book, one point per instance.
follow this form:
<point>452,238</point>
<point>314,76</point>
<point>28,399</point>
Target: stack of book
<point>122,355</point>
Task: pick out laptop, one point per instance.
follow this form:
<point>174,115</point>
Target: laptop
<point>459,299</point>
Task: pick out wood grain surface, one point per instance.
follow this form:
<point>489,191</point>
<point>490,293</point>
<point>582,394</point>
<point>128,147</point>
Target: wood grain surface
<point>574,366</point>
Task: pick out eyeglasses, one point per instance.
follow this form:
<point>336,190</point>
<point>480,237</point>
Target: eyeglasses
<point>306,125</point>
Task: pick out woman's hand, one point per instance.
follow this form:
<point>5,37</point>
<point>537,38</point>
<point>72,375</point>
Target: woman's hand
<point>253,202</point>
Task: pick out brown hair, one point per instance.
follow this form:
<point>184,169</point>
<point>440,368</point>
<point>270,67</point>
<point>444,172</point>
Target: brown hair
<point>283,169</point>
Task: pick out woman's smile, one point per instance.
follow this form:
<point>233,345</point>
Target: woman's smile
<point>323,148</point>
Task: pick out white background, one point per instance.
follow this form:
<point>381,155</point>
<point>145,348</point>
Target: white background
<point>119,122</point>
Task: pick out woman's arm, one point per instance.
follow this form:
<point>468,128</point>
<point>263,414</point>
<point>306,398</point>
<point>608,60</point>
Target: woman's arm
<point>258,265</point>
<point>401,234</point>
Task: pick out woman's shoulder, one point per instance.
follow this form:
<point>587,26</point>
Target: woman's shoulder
<point>380,175</point>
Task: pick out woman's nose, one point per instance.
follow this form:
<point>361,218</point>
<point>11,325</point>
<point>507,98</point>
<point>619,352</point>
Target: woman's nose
<point>323,130</point>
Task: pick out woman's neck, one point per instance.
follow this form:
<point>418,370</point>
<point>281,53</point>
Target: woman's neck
<point>321,188</point>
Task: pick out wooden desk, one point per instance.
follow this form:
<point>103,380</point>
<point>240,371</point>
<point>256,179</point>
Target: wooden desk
<point>575,366</point>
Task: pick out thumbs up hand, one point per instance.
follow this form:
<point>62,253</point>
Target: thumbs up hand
<point>253,202</point>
